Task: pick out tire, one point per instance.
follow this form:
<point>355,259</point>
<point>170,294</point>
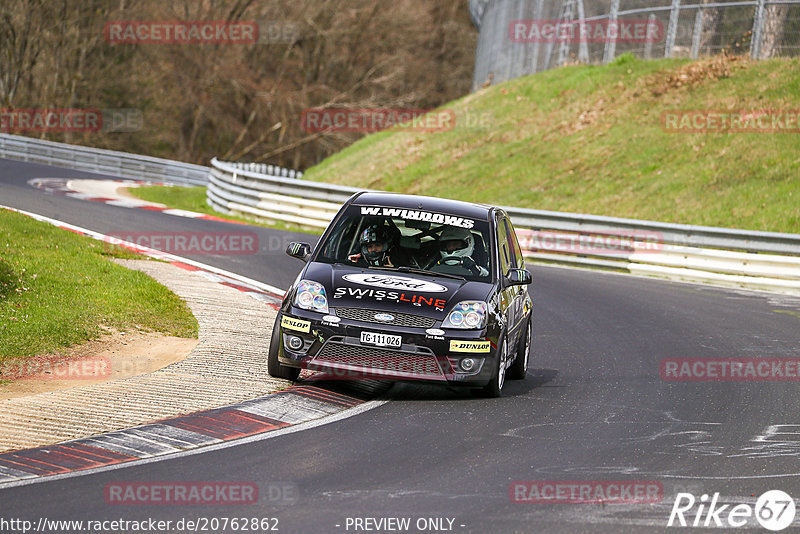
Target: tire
<point>519,368</point>
<point>495,386</point>
<point>275,368</point>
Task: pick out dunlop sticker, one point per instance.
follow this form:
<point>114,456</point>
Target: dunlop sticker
<point>469,346</point>
<point>295,324</point>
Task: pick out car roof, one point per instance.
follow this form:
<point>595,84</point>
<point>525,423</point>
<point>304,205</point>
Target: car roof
<point>418,202</point>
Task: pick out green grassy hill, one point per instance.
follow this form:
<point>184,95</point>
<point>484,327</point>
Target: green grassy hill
<point>590,139</point>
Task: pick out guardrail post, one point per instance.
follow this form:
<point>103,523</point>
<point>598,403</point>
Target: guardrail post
<point>758,30</point>
<point>672,30</point>
<point>611,44</point>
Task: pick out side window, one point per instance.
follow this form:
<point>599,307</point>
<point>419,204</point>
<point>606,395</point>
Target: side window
<point>516,251</point>
<point>343,240</point>
<point>502,244</point>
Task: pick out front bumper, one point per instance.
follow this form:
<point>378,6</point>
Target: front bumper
<point>335,348</point>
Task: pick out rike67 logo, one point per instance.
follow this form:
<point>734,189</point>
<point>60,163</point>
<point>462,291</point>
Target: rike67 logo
<point>774,510</point>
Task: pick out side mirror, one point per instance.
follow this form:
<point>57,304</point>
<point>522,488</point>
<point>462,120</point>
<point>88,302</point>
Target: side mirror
<point>519,277</point>
<point>301,251</point>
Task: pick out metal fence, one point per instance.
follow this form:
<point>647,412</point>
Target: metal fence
<point>686,28</point>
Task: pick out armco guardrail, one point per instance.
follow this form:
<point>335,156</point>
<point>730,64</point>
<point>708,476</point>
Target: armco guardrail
<point>121,164</point>
<point>273,193</point>
<point>739,258</point>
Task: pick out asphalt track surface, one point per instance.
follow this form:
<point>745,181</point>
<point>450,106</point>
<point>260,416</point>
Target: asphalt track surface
<point>593,407</point>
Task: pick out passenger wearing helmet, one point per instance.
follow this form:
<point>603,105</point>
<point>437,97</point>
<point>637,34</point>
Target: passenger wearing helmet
<point>376,245</point>
<point>456,246</point>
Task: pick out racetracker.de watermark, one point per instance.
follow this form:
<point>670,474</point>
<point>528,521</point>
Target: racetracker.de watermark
<point>183,493</point>
<point>730,369</point>
<point>94,368</point>
<point>731,121</point>
<point>70,120</point>
<point>192,243</point>
<point>200,32</point>
<point>586,31</point>
<point>370,120</point>
<point>180,32</point>
<point>586,491</point>
<point>277,32</point>
<point>612,243</point>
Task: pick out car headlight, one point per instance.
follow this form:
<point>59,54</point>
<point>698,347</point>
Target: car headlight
<point>467,314</point>
<point>311,296</point>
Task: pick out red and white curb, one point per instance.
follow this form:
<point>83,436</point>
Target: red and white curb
<point>296,408</point>
<point>293,406</point>
<point>60,186</point>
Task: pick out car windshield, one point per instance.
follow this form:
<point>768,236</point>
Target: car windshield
<point>404,239</point>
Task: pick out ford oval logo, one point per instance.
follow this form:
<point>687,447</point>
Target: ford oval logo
<point>385,317</point>
<point>395,282</point>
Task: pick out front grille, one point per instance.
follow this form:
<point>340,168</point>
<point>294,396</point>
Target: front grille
<point>400,319</point>
<point>379,360</point>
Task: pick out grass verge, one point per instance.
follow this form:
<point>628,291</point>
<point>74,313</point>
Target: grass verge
<point>58,289</point>
<point>590,139</point>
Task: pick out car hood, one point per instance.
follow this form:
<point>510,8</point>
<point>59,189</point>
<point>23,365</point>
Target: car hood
<point>381,290</point>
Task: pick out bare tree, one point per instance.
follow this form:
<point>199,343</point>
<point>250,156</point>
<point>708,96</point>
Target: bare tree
<point>774,23</point>
<point>709,34</point>
<point>240,101</point>
<point>19,46</point>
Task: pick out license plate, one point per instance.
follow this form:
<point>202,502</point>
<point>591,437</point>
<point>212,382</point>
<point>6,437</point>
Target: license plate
<point>381,340</point>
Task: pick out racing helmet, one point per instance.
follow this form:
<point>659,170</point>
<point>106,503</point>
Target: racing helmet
<point>457,242</point>
<point>375,235</point>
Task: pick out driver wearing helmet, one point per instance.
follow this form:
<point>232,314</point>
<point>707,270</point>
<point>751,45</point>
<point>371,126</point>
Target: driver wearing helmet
<point>376,244</point>
<point>456,245</point>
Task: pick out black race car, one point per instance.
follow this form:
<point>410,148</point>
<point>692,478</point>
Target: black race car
<point>404,287</point>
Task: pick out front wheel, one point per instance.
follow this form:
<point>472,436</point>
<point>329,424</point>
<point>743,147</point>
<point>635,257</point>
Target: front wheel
<point>274,367</point>
<point>520,366</point>
<point>495,386</point>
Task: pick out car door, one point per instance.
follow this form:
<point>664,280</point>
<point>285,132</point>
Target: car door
<point>509,295</point>
<point>522,302</point>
